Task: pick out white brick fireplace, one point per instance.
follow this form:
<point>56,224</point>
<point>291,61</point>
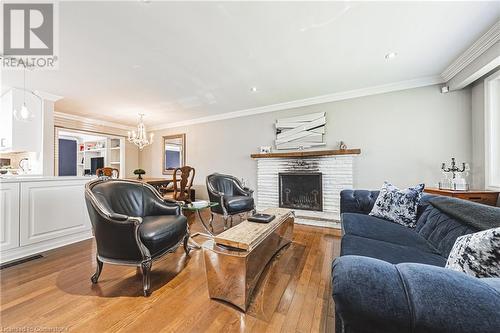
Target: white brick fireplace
<point>336,168</point>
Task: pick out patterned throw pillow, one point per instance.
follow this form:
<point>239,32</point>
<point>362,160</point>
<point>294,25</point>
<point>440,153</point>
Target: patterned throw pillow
<point>397,205</point>
<point>477,254</point>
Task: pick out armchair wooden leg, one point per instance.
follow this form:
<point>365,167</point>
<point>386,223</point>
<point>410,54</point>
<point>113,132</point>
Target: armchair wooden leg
<point>146,279</point>
<point>185,244</point>
<point>98,271</point>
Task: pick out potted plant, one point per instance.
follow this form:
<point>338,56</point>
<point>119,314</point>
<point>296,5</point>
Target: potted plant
<point>139,172</point>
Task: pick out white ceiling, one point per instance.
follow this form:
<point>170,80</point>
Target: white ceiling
<point>179,61</point>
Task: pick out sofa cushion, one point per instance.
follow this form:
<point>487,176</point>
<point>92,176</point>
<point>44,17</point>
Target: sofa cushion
<point>397,205</point>
<point>369,296</point>
<point>450,301</point>
<point>374,296</point>
<point>160,233</point>
<point>393,253</point>
<point>477,254</point>
<point>383,230</point>
<point>493,283</point>
<point>440,230</point>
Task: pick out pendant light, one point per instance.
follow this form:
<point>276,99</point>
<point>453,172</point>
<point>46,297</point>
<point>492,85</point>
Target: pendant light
<point>24,114</point>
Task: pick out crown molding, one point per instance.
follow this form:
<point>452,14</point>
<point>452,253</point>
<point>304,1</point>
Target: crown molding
<point>491,37</point>
<point>47,96</point>
<point>339,96</point>
<point>40,94</point>
<point>68,116</point>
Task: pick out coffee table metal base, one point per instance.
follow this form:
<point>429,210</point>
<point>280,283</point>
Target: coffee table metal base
<point>232,274</point>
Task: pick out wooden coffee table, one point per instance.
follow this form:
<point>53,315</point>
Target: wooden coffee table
<point>235,259</point>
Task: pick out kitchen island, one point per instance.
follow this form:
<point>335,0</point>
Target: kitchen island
<point>40,213</point>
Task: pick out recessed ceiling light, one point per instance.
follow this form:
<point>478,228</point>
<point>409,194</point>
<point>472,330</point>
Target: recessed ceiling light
<point>253,89</point>
<point>391,55</point>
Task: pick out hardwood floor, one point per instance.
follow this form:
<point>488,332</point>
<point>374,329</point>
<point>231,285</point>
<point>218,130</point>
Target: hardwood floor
<point>55,292</point>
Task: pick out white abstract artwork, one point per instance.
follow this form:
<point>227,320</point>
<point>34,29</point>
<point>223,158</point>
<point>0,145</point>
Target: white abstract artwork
<point>301,132</point>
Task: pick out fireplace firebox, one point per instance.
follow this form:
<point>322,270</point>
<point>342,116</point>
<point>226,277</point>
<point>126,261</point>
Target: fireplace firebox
<point>301,190</point>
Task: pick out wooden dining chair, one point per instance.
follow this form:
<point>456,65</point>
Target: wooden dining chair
<point>182,182</point>
<point>108,172</point>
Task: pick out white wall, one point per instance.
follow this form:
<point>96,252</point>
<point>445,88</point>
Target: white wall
<point>48,138</point>
<point>131,159</point>
<point>404,137</point>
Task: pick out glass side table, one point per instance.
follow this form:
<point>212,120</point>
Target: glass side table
<point>207,225</point>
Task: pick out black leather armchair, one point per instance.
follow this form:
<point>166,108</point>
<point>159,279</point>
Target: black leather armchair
<point>232,197</point>
<point>133,225</point>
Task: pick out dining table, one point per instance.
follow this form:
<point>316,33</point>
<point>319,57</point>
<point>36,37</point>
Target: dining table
<point>160,184</point>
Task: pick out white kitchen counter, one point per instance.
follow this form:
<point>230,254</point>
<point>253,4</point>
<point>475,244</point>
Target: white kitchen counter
<point>28,178</point>
<point>40,213</point>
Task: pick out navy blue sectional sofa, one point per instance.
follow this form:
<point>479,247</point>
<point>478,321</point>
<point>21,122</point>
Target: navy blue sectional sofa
<point>390,278</point>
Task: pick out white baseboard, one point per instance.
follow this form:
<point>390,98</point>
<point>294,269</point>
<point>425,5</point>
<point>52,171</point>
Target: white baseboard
<point>32,249</point>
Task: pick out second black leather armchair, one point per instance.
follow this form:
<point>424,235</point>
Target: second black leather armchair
<point>232,196</point>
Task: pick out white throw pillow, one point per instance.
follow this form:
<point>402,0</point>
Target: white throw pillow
<point>397,205</point>
<point>477,254</point>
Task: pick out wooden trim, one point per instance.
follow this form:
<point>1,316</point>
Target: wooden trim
<point>309,153</point>
<point>172,136</point>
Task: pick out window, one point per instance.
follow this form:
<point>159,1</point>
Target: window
<point>492,130</point>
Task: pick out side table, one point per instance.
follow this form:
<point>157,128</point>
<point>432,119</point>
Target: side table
<point>207,225</point>
<point>480,196</point>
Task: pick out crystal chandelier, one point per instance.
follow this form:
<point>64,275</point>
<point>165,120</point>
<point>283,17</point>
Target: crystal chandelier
<point>139,138</point>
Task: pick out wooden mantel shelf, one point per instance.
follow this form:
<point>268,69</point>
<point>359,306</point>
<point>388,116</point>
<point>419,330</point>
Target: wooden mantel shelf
<point>314,153</point>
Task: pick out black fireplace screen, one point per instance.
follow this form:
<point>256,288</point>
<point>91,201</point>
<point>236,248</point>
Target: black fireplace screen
<point>301,190</point>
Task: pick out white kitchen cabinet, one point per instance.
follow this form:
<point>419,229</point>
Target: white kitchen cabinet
<point>9,216</point>
<point>41,213</point>
<point>16,135</point>
<point>52,209</point>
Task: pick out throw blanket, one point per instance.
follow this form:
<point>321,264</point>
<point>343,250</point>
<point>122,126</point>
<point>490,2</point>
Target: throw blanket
<point>470,213</point>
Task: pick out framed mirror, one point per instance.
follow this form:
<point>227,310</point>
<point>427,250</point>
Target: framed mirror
<point>173,152</point>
